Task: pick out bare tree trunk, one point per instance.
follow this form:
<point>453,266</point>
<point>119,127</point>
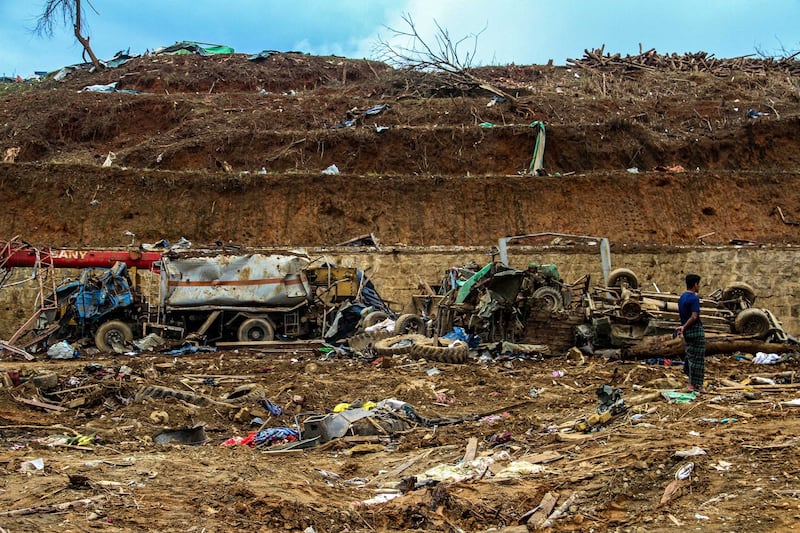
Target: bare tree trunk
<point>84,40</point>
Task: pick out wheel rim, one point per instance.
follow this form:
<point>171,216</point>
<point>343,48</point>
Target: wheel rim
<point>256,333</point>
<point>114,336</point>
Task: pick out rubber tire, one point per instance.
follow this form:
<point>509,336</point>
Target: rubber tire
<point>443,354</point>
<point>409,323</point>
<point>246,329</point>
<point>622,278</point>
<point>752,322</point>
<point>551,297</point>
<point>107,332</point>
<point>375,317</point>
<point>158,392</point>
<point>252,392</point>
<point>360,341</point>
<point>737,290</point>
<point>400,344</point>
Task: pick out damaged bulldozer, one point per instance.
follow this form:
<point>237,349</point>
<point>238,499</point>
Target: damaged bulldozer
<point>494,302</point>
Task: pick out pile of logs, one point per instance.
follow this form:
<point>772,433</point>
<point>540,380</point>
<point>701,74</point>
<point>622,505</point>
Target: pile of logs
<point>688,62</point>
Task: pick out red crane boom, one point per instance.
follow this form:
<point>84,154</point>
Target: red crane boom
<point>14,254</point>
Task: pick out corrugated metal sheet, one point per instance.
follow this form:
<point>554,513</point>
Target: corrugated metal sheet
<point>252,280</point>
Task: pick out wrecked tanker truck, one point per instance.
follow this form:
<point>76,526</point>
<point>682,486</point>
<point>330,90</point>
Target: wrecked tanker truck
<point>209,296</point>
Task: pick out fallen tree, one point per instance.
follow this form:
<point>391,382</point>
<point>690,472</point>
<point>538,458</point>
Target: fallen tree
<point>667,347</point>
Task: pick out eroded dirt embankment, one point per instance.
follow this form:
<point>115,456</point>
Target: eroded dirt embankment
<point>64,205</point>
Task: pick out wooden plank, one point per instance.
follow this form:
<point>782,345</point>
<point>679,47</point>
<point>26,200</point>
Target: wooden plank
<point>543,457</point>
<point>43,405</point>
<point>538,518</point>
<point>472,449</point>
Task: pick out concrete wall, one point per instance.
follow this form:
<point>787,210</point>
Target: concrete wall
<point>774,272</point>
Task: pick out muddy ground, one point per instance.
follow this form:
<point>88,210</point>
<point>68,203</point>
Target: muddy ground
<point>188,152</point>
<point>747,479</point>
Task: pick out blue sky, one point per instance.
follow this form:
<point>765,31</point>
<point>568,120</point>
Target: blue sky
<point>516,31</point>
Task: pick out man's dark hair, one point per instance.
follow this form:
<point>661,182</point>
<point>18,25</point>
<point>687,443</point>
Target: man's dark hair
<point>691,279</point>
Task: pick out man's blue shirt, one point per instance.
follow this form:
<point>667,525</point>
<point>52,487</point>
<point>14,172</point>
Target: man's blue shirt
<point>688,303</point>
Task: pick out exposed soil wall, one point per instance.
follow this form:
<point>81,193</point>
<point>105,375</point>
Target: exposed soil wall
<point>65,205</point>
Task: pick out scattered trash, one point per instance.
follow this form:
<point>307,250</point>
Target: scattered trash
<point>761,380</point>
<point>271,407</point>
<point>633,170</point>
<point>496,99</point>
<point>31,466</point>
<point>722,466</point>
<point>516,469</point>
<point>684,471</point>
<point>148,343</point>
<point>109,88</point>
<point>664,362</point>
<point>762,358</point>
<point>558,373</point>
<point>718,420</point>
<point>699,516</point>
<point>678,397</point>
<point>331,170</point>
<point>62,350</point>
<point>193,436</point>
<point>694,451</point>
<point>752,113</point>
<point>380,498</point>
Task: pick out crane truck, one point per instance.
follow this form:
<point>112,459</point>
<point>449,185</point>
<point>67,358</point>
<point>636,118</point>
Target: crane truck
<point>213,295</point>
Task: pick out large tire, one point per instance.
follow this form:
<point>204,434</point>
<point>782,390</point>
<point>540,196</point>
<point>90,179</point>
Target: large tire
<point>110,333</point>
<point>409,323</point>
<point>254,330</point>
<point>548,299</point>
<point>400,344</point>
<point>361,341</point>
<point>623,278</point>
<point>737,291</point>
<point>375,317</point>
<point>752,322</point>
<point>250,393</point>
<point>158,392</point>
<point>444,354</point>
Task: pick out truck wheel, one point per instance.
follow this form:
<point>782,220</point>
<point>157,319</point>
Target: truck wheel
<point>444,354</point>
<point>549,298</point>
<point>623,278</point>
<point>737,291</point>
<point>752,322</point>
<point>374,317</point>
<point>400,344</point>
<point>254,330</point>
<point>110,333</point>
<point>409,323</point>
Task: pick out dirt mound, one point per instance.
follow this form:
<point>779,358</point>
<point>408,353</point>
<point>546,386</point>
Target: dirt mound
<point>223,138</point>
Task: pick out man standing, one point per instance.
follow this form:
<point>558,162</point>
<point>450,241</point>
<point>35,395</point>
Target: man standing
<point>693,334</point>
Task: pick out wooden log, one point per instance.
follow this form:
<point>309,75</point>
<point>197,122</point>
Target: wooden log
<point>667,347</point>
